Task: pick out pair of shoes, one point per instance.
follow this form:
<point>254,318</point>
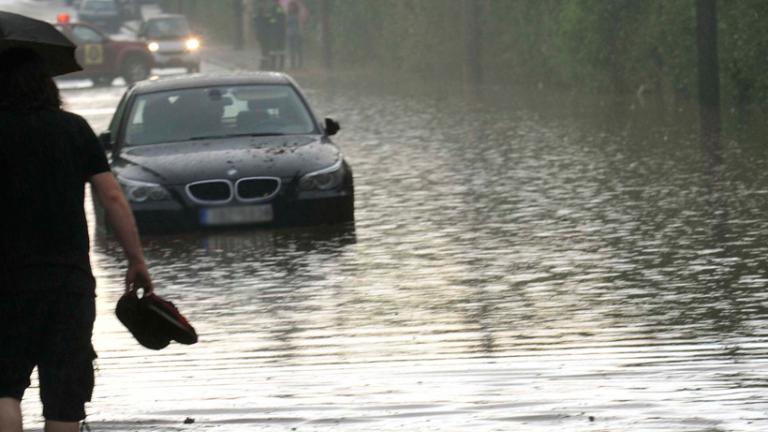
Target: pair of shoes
<point>154,321</point>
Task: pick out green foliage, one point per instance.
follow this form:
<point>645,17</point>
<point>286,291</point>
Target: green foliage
<point>417,37</point>
<point>623,46</point>
<point>520,40</point>
<point>616,45</point>
<point>627,44</point>
<point>214,18</point>
<point>744,50</point>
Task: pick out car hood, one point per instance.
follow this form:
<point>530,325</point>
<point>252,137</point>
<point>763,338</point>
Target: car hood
<point>234,158</point>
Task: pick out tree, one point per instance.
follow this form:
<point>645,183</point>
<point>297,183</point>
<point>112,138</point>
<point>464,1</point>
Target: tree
<point>709,74</point>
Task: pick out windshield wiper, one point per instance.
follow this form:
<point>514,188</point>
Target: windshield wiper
<point>205,137</point>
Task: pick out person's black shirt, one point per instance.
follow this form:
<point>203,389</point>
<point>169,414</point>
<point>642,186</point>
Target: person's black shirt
<point>46,157</point>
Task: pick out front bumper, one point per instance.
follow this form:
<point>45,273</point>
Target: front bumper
<point>176,59</point>
<point>317,209</point>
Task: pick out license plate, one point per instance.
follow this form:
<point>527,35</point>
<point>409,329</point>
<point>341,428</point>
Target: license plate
<point>236,215</point>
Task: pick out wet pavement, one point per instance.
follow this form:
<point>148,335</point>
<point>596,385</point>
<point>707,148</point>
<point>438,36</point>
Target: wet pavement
<point>520,261</point>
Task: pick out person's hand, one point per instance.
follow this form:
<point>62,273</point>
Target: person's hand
<point>137,277</point>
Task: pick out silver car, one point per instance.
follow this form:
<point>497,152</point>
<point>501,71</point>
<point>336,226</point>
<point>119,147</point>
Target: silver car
<point>172,42</point>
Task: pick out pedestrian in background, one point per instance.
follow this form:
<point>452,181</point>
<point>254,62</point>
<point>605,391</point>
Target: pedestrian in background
<point>47,289</point>
<point>261,24</point>
<point>277,37</point>
<point>270,23</point>
<point>293,32</point>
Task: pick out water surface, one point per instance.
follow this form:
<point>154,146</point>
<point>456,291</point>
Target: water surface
<point>518,262</point>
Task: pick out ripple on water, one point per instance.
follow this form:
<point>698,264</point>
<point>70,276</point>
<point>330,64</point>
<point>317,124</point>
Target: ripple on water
<point>507,270</point>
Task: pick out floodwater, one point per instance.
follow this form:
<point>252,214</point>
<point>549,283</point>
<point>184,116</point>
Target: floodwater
<point>519,262</point>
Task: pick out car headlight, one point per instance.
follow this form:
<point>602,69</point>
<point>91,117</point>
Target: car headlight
<point>324,179</point>
<point>192,44</point>
<point>153,46</point>
<point>138,191</point>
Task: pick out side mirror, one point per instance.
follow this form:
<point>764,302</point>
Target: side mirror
<point>332,127</point>
<point>105,138</point>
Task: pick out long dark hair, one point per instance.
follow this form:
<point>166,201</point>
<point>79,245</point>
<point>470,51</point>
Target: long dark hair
<point>25,83</point>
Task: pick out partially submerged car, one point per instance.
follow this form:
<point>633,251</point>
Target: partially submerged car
<point>197,151</point>
<point>103,58</point>
<point>171,41</point>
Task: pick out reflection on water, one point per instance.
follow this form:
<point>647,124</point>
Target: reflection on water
<point>517,263</point>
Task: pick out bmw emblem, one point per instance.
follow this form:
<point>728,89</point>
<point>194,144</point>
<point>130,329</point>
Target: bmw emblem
<point>232,172</point>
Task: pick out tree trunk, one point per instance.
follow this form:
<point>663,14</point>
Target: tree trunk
<point>709,75</point>
<point>473,37</point>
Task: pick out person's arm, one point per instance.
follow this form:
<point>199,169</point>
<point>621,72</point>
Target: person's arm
<point>120,218</point>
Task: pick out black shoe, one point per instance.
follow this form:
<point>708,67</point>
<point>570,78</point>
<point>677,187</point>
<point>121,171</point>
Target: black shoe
<point>131,314</point>
<point>153,321</point>
<point>172,321</point>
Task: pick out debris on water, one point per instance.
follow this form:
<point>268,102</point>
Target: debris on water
<point>189,420</point>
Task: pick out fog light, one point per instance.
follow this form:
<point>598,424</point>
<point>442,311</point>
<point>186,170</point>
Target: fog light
<point>153,46</point>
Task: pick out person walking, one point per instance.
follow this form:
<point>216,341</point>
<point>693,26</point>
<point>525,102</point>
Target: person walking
<point>47,289</point>
<point>261,25</point>
<point>270,32</point>
<point>294,36</point>
<point>276,31</point>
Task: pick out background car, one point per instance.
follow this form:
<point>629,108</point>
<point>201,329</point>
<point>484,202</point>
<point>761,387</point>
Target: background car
<point>103,14</point>
<point>223,150</point>
<point>171,41</point>
<point>102,58</point>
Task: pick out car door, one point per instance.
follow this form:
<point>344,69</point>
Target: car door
<point>93,49</point>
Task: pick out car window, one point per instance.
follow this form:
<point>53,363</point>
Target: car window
<point>99,6</point>
<point>217,112</point>
<point>166,28</point>
<point>83,34</point>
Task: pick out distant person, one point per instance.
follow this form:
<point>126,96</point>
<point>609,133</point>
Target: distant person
<point>277,35</point>
<point>294,36</point>
<point>47,289</point>
<point>270,30</point>
<point>261,24</point>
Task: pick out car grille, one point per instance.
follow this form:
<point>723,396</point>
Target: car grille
<point>257,188</point>
<point>210,191</point>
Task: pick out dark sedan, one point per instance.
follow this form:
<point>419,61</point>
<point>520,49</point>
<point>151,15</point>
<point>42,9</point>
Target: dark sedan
<point>222,150</point>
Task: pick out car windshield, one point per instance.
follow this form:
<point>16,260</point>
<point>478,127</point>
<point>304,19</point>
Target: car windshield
<point>167,28</point>
<point>100,6</point>
<point>217,112</point>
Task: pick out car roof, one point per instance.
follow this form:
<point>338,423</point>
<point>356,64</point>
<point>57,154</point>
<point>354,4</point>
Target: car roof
<point>209,80</point>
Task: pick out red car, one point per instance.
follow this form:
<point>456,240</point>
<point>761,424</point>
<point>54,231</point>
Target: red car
<point>103,59</point>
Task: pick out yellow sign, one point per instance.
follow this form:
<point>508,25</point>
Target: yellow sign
<point>94,54</point>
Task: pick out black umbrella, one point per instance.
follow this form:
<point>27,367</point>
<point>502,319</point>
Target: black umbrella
<point>19,31</point>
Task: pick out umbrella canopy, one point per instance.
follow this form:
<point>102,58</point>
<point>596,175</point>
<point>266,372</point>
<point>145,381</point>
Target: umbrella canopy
<point>19,31</point>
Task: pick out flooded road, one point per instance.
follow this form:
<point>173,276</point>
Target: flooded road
<point>528,265</point>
